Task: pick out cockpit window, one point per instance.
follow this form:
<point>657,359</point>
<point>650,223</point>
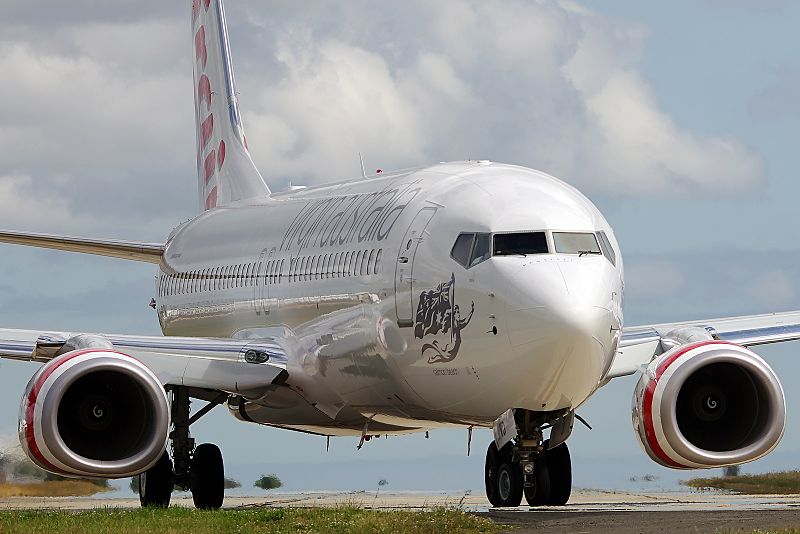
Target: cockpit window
<point>608,250</point>
<point>520,243</point>
<point>481,250</point>
<point>576,243</point>
<point>462,248</point>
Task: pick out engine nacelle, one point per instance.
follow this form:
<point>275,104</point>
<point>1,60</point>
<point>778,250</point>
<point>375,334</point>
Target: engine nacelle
<point>708,404</point>
<point>94,413</point>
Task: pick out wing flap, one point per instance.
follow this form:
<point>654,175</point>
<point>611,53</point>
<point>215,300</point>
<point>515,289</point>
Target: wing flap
<point>127,250</point>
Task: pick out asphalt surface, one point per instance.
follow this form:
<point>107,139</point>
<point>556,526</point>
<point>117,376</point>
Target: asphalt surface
<point>587,511</point>
<point>630,522</point>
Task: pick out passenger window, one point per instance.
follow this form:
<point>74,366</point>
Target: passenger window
<point>357,263</point>
<point>347,264</point>
<point>608,250</point>
<point>461,249</point>
<point>370,268</point>
<point>377,269</point>
<point>280,271</point>
<point>576,243</point>
<point>481,251</point>
<point>520,243</point>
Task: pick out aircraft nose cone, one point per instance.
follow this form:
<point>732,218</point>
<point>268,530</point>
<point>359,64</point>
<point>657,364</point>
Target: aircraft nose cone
<point>564,330</point>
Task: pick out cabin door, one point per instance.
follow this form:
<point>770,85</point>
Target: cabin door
<point>404,274</point>
<point>261,287</point>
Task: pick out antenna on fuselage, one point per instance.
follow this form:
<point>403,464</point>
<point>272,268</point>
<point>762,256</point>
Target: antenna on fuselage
<point>363,170</point>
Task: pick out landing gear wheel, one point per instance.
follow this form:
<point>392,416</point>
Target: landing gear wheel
<point>509,482</point>
<point>503,477</point>
<point>559,466</point>
<point>155,484</point>
<point>208,477</point>
<point>490,474</point>
<point>539,493</point>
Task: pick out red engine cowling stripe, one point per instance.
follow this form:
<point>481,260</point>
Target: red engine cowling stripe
<point>30,436</point>
<point>647,403</point>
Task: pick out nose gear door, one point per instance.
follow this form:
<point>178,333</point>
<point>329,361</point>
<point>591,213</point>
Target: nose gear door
<point>404,275</point>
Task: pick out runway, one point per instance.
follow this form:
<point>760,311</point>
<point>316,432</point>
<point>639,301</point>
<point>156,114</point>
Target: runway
<point>587,511</point>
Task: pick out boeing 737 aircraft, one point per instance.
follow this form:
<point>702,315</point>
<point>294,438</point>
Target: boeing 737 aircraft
<point>466,294</point>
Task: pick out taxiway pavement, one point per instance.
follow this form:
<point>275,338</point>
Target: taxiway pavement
<point>587,511</point>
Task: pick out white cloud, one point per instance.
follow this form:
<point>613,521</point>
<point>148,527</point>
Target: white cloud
<point>549,85</point>
<point>97,108</point>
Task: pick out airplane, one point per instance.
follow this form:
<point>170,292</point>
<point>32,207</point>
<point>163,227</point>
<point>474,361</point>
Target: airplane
<point>466,294</point>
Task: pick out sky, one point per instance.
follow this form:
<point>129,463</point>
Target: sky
<point>679,120</point>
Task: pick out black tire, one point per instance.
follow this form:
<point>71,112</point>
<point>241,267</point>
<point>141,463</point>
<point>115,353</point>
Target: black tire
<point>207,477</point>
<point>559,467</point>
<point>539,493</point>
<point>509,483</point>
<point>155,484</point>
<point>490,474</point>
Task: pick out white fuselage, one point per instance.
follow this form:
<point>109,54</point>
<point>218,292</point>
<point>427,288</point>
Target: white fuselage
<point>386,325</point>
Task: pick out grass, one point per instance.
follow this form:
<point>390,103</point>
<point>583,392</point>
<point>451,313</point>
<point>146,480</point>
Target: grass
<point>54,488</point>
<point>783,482</point>
<point>294,520</point>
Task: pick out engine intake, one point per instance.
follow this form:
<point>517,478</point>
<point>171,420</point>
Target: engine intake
<point>94,413</point>
<point>708,404</point>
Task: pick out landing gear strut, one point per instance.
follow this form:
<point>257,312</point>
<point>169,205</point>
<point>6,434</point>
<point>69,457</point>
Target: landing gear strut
<point>528,466</point>
<point>198,469</point>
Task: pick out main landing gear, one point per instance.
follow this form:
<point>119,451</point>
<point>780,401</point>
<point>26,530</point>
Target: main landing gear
<point>528,467</point>
<point>198,469</point>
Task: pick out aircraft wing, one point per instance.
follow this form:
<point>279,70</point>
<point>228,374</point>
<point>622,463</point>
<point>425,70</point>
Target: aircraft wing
<point>127,250</point>
<point>640,344</point>
<point>234,366</point>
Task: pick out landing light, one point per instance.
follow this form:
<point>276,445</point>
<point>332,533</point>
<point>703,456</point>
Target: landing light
<point>527,468</point>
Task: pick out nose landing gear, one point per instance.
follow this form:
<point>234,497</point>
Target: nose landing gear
<point>545,481</point>
<point>528,466</point>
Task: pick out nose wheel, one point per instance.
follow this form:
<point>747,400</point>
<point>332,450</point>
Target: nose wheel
<point>545,480</point>
<point>503,477</point>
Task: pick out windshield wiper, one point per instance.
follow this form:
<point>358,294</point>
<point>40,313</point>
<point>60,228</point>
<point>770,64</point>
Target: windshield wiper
<point>582,252</point>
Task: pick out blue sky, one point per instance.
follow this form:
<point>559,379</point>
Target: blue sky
<point>678,119</point>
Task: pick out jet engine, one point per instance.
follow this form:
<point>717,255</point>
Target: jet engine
<point>94,413</point>
<point>708,404</point>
